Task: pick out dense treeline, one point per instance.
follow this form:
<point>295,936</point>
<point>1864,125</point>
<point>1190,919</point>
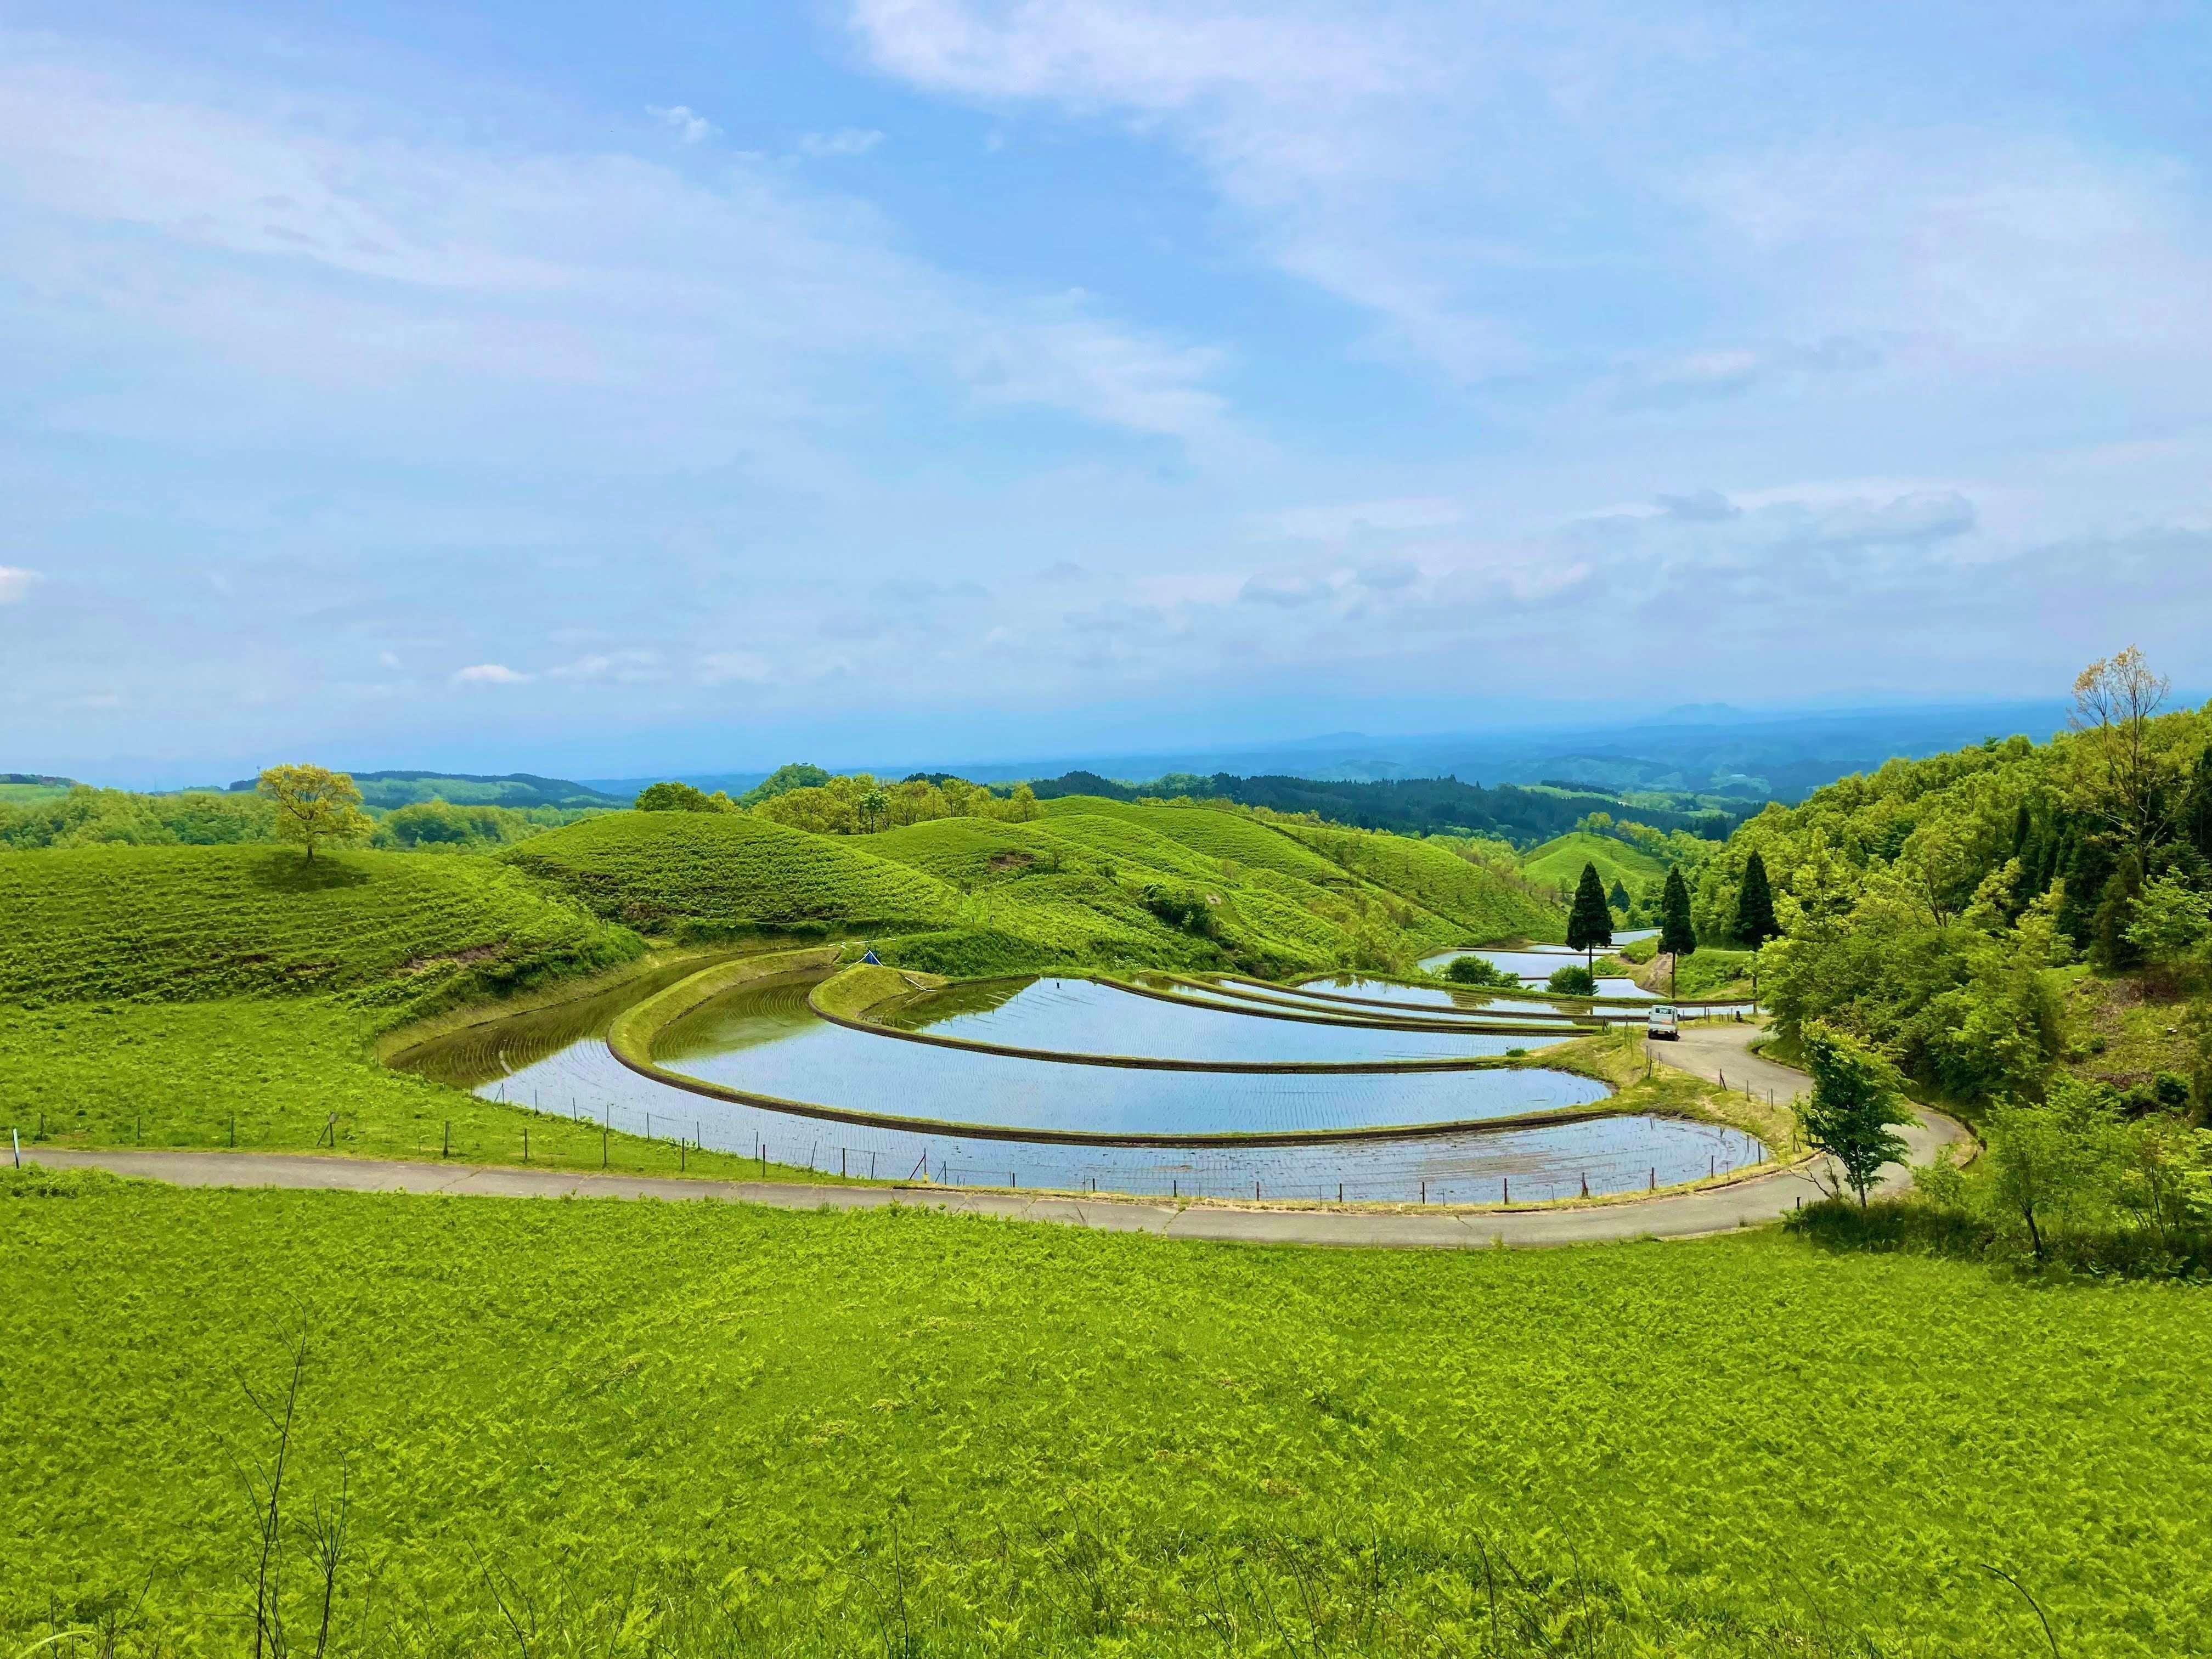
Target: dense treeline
<point>1407,806</point>
<point>1957,914</point>
<point>86,817</point>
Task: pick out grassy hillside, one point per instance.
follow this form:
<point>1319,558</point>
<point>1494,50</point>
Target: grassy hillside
<point>1559,862</point>
<point>702,873</point>
<point>1215,835</point>
<point>1479,904</point>
<point>640,1429</point>
<point>182,923</point>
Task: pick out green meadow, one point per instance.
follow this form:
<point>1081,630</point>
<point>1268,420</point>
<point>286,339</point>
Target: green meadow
<point>615,1428</point>
<point>1559,862</point>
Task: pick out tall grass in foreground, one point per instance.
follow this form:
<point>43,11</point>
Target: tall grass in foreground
<point>648,1429</point>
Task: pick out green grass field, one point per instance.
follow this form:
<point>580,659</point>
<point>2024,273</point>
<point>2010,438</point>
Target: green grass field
<point>1559,862</point>
<point>623,1429</point>
<point>176,923</point>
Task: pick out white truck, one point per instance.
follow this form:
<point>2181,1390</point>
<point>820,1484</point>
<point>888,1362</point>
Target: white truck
<point>1662,1023</point>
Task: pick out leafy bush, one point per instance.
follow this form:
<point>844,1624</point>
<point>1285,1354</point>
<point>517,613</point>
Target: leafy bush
<point>1573,981</point>
<point>1479,970</point>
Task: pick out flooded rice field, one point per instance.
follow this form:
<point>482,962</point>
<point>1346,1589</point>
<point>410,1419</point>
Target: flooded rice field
<point>1083,1017</point>
<point>766,1040</point>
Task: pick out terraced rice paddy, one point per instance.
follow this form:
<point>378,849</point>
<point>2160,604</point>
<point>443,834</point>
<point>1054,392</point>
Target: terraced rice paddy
<point>1536,963</point>
<point>765,1040</point>
<point>1083,1017</point>
<point>1351,996</point>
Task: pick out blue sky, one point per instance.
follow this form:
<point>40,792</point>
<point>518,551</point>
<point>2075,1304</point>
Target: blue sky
<point>605,391</point>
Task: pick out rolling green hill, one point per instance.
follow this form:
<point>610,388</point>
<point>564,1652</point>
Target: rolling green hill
<point>1559,862</point>
<point>1480,904</point>
<point>700,873</point>
<point>185,923</point>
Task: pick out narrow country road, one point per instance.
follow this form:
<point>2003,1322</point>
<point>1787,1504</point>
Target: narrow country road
<point>1745,1203</point>
<point>1721,1053</point>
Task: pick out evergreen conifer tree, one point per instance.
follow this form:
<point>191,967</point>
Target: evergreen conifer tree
<point>1754,906</point>
<point>2197,806</point>
<point>1619,897</point>
<point>1590,924</point>
<point>2086,868</point>
<point>1677,938</point>
<point>2114,948</point>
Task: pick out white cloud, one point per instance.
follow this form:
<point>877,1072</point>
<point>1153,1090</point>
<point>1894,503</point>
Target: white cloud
<point>343,273</point>
<point>14,584</point>
<point>1335,523</point>
<point>632,667</point>
<point>846,141</point>
<point>489,673</point>
<point>687,124</point>
<point>733,668</point>
<point>1289,590</point>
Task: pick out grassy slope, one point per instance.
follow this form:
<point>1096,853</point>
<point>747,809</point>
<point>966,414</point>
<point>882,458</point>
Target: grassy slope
<point>174,923</point>
<point>183,996</point>
<point>1559,862</point>
<point>711,870</point>
<point>1484,908</point>
<point>2128,1028</point>
<point>653,1428</point>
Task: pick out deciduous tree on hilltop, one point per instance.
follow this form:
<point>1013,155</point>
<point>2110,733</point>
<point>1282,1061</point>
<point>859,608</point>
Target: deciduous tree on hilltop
<point>314,804</point>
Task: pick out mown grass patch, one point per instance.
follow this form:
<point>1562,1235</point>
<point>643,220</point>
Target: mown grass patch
<point>636,1428</point>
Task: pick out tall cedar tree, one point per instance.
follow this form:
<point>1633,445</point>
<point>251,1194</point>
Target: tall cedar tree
<point>1676,937</point>
<point>2113,948</point>
<point>1590,924</point>
<point>1857,1098</point>
<point>1754,906</point>
<point>2086,868</point>
<point>2196,808</point>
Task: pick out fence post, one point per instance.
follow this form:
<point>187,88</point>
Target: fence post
<point>603,1146</point>
<point>446,1150</point>
<point>525,1145</point>
<point>234,1127</point>
<point>16,1145</point>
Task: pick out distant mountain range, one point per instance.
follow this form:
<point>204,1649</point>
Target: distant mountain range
<point>518,789</point>
<point>1699,748</point>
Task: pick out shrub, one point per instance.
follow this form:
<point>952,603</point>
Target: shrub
<point>1574,981</point>
<point>1477,970</point>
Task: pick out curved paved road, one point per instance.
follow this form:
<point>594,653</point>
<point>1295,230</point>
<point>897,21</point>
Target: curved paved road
<point>1713,1209</point>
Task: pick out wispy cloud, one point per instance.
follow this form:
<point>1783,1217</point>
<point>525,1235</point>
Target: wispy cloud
<point>686,124</point>
<point>489,673</point>
<point>16,584</point>
<point>844,141</point>
<point>447,291</point>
